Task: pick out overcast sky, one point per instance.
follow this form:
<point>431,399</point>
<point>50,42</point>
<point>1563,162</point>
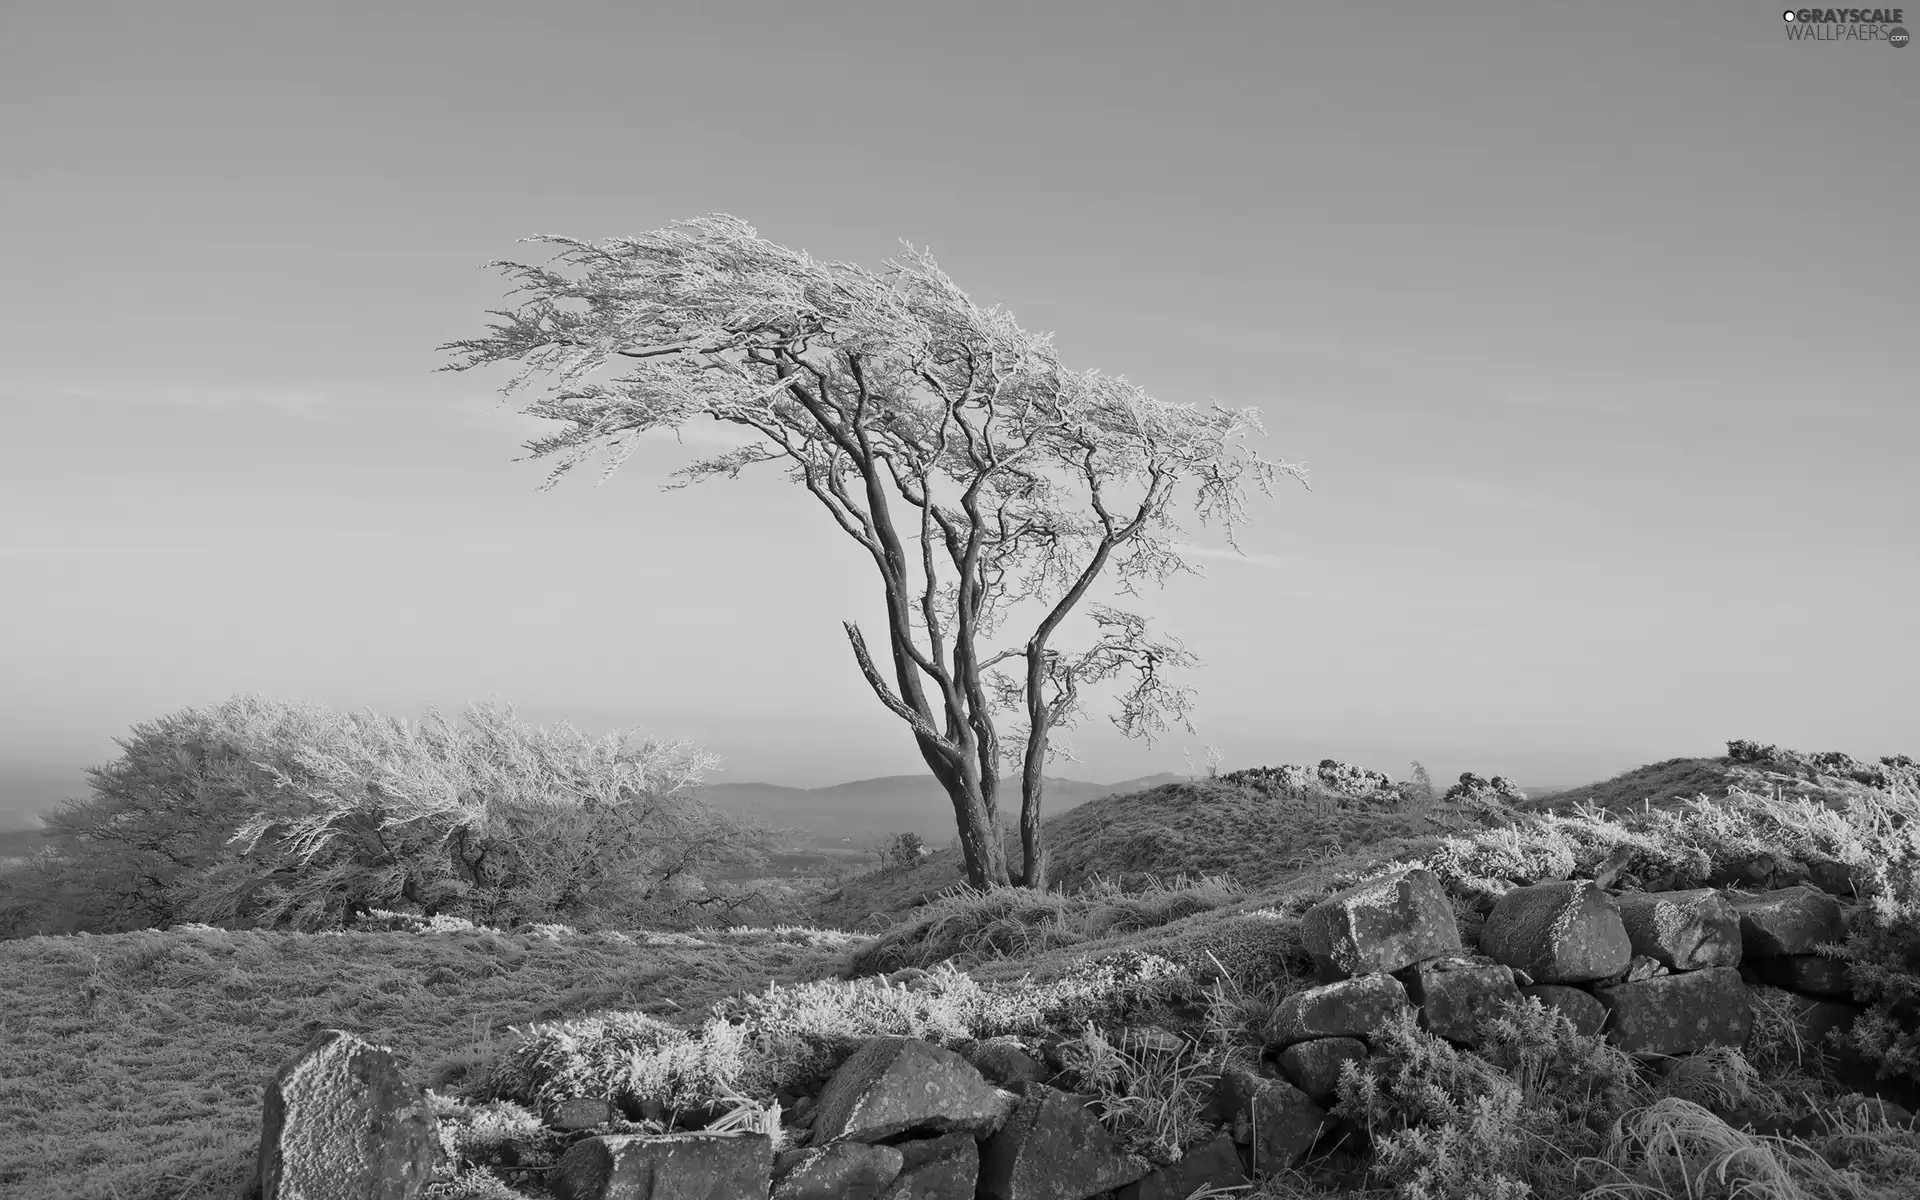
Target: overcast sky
<point>1594,324</point>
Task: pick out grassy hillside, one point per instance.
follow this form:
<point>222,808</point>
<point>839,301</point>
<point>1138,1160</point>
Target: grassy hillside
<point>1237,826</point>
<point>1660,784</point>
<point>132,1065</point>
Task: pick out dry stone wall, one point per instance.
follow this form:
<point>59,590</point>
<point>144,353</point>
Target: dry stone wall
<point>1656,973</point>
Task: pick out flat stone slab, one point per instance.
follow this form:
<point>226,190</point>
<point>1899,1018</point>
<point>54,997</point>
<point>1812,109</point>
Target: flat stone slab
<point>1271,1116</point>
<point>1456,994</point>
<point>1214,1164</point>
<point>1683,930</point>
<point>667,1166</point>
<point>895,1084</point>
<point>1793,920</point>
<point>1382,925</point>
<point>1580,1006</point>
<point>340,1120</point>
<point>1567,931</point>
<point>1679,1014</point>
<point>841,1171</point>
<point>1314,1067</point>
<point>1355,1007</point>
<point>1052,1148</point>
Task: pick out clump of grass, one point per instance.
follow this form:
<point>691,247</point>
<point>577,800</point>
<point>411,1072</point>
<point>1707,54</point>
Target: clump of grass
<point>485,1134</point>
<point>1719,1078</point>
<point>1150,1093</point>
<point>1677,1148</point>
<point>1238,1013</point>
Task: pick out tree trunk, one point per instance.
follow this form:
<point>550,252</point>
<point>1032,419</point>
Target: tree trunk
<point>1032,839</point>
<point>981,847</point>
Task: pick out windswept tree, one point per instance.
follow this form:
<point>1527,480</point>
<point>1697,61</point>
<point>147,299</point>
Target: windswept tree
<point>950,444</point>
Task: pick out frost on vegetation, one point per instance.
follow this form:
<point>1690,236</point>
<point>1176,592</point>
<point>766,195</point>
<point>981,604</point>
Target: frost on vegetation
<point>477,1132</point>
<point>380,920</point>
<point>1150,1095</point>
<point>1444,1123</point>
<point>791,1035</point>
<point>1676,1147</point>
<point>1869,830</point>
<point>1330,778</point>
<point>798,935</point>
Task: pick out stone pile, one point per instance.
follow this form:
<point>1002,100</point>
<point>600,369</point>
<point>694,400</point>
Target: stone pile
<point>1658,973</point>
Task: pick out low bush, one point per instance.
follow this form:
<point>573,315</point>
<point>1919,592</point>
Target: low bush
<point>262,815</point>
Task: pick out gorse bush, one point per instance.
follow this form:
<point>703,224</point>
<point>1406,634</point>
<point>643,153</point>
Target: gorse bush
<point>258,814</point>
<point>1444,1123</point>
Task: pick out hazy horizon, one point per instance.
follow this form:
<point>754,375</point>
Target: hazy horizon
<point>1586,320</point>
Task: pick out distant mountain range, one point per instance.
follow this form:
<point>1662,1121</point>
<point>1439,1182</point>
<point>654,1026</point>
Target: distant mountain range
<point>893,803</point>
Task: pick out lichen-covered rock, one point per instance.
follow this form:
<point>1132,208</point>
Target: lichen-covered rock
<point>1815,974</point>
<point>667,1166</point>
<point>1678,1014</point>
<point>841,1171</point>
<point>944,1168</point>
<point>895,1084</point>
<point>1271,1116</point>
<point>1685,930</point>
<point>1355,1007</point>
<point>1314,1067</point>
<point>1003,1061</point>
<point>1566,931</point>
<point>340,1120</point>
<point>1052,1148</point>
<point>1382,925</point>
<point>1795,920</point>
<point>1214,1164</point>
<point>1580,1006</point>
<point>1456,994</point>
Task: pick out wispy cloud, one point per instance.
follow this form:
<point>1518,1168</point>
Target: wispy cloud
<point>1251,558</point>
